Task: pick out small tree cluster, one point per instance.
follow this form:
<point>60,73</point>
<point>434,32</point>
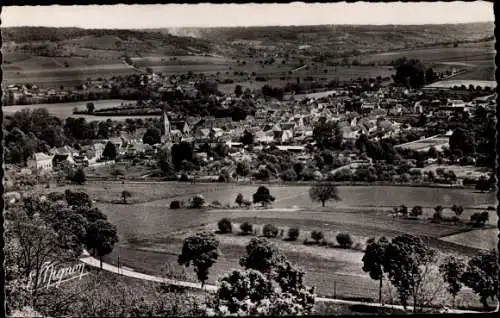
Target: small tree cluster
<point>293,233</point>
<point>344,240</point>
<point>270,231</point>
<point>246,228</point>
<point>225,226</point>
<point>270,285</point>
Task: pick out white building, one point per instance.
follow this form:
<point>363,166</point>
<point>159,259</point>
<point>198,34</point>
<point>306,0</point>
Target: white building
<point>40,162</point>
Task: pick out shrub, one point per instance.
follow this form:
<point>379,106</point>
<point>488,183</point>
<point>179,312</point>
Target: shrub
<point>345,240</point>
<point>293,233</point>
<point>225,226</point>
<point>175,204</point>
<point>216,203</point>
<point>197,202</point>
<point>246,228</point>
<point>416,211</point>
<point>317,236</point>
<point>270,231</point>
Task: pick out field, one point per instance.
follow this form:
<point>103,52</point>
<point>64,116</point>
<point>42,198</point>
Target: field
<point>333,271</point>
<point>424,145</point>
<point>65,110</point>
<point>151,234</point>
<point>460,171</point>
<point>456,82</point>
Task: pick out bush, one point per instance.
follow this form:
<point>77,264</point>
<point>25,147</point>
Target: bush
<point>216,203</point>
<point>317,236</point>
<point>293,233</point>
<point>246,228</point>
<point>197,202</point>
<point>175,204</point>
<point>345,240</point>
<point>416,211</point>
<point>270,231</point>
<point>225,226</point>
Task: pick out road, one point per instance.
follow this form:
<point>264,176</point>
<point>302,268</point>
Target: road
<point>91,261</point>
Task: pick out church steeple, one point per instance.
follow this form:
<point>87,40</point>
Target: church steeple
<point>167,137</point>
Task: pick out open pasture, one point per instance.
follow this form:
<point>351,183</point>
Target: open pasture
<point>484,50</point>
<point>65,110</point>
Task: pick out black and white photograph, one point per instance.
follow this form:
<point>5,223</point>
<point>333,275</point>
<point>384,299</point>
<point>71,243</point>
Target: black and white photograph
<point>272,159</point>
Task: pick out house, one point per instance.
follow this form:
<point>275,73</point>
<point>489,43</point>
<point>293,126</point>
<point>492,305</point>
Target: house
<point>40,162</point>
<point>62,161</point>
<point>181,126</point>
<point>98,150</point>
<point>263,137</point>
<point>118,142</point>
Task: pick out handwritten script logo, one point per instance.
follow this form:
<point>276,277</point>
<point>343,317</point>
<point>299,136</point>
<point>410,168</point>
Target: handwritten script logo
<point>51,275</point>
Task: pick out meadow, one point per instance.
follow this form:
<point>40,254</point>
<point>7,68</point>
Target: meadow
<point>65,110</point>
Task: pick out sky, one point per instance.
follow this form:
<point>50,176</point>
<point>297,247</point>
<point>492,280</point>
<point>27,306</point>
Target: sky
<point>220,15</point>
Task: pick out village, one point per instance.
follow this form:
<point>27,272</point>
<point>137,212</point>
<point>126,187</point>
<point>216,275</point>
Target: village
<point>409,119</point>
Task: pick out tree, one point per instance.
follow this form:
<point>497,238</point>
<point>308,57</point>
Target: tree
<point>90,107</point>
<point>109,151</point>
<point>405,258</point>
<point>430,76</point>
<point>126,194</point>
<point>239,199</point>
<point>328,135</point>
<point>452,270</point>
<point>457,209</point>
<point>79,176</point>
<point>416,211</point>
<point>247,138</point>
<point>263,196</point>
<point>482,276</point>
<point>323,192</point>
<point>463,141</point>
<point>182,152</point>
<point>202,251</point>
<point>251,293</point>
<point>483,185</point>
<point>344,240</point>
<point>101,238</point>
<point>373,261</point>
<point>175,205</point>
<point>152,136</point>
<point>270,231</point>
<point>225,226</point>
<point>438,213</point>
<point>317,236</point>
<point>289,175</point>
<point>293,233</point>
<point>238,90</point>
<point>242,168</point>
<point>246,228</point>
<point>261,255</point>
<point>410,73</point>
<point>197,202</point>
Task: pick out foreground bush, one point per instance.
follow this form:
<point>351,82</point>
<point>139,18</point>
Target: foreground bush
<point>225,226</point>
<point>270,231</point>
<point>345,240</point>
<point>175,204</point>
<point>293,233</point>
<point>246,228</point>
